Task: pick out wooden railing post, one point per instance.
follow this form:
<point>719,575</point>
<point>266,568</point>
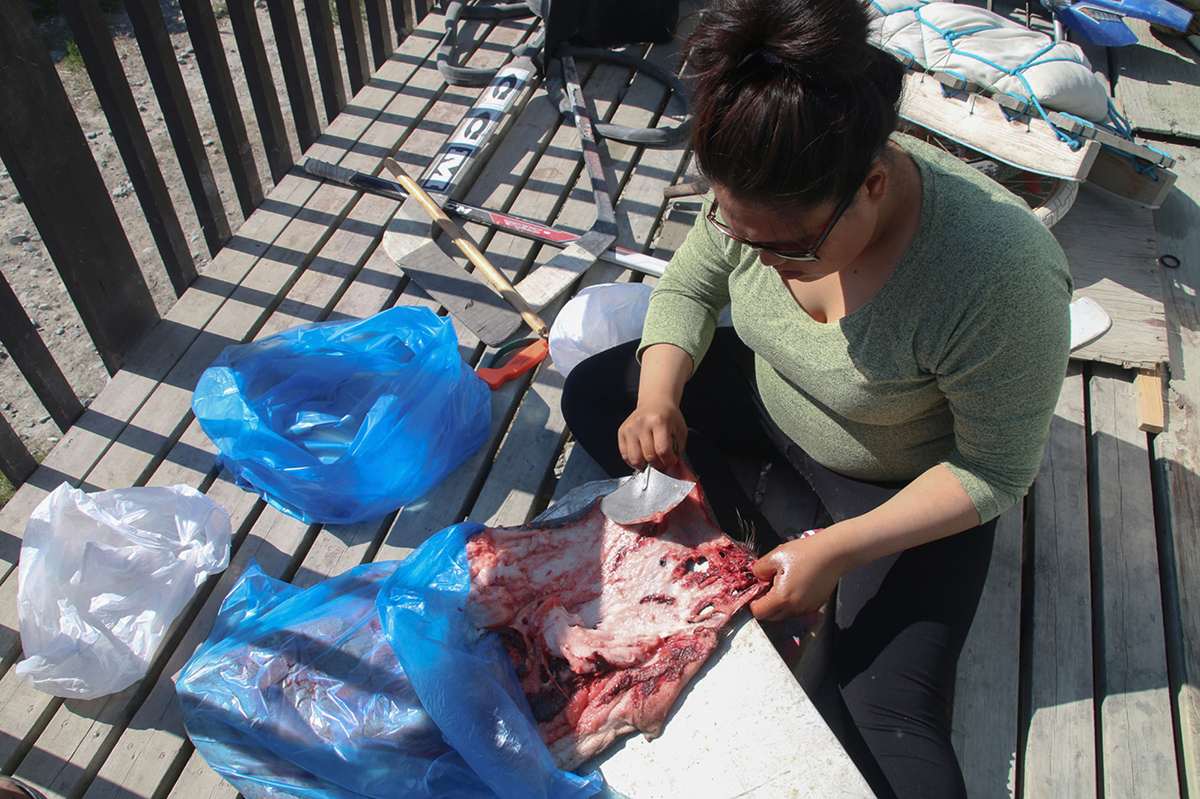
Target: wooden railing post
<point>263,96</point>
<point>355,48</point>
<point>159,57</point>
<point>50,163</point>
<point>95,44</point>
<point>15,461</point>
<point>325,54</point>
<point>295,70</point>
<point>20,337</point>
<point>380,29</point>
<point>222,97</point>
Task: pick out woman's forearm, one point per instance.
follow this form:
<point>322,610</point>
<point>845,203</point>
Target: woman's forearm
<point>932,506</point>
<point>804,572</point>
<point>666,368</point>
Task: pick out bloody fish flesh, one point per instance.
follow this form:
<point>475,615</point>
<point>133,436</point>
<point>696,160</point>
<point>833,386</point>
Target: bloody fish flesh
<point>606,624</point>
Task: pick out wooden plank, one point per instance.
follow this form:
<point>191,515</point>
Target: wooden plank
<point>253,53</point>
<point>1059,756</point>
<point>295,71</point>
<point>984,726</point>
<point>199,781</point>
<point>357,67</point>
<point>21,340</point>
<point>222,98</point>
<point>1136,735</point>
<point>1109,244</point>
<point>1117,173</point>
<point>95,44</point>
<point>325,54</point>
<point>980,123</point>
<point>1148,386</point>
<point>159,56</point>
<point>1158,83</point>
<point>1177,452</point>
<point>52,168</point>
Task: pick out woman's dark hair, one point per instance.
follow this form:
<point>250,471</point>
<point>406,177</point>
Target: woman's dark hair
<point>791,102</point>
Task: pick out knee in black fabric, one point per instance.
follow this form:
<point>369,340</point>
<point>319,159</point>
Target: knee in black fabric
<point>598,395</point>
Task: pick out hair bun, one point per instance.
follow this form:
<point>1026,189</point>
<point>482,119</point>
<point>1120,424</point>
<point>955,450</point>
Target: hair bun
<point>789,95</point>
<point>808,38</point>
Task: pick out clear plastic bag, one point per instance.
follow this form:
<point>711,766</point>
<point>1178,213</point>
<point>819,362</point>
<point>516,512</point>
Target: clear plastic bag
<point>596,319</point>
<point>338,423</point>
<point>102,577</point>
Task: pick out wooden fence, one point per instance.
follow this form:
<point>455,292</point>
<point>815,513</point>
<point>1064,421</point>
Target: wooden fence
<point>47,155</point>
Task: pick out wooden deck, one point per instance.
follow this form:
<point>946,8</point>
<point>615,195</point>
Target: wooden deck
<point>1082,676</point>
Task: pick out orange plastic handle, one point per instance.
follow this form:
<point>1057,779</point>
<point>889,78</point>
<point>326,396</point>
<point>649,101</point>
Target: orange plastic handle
<point>519,364</point>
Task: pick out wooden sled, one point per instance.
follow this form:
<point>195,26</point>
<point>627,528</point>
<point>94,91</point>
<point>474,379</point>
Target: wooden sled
<point>1008,129</point>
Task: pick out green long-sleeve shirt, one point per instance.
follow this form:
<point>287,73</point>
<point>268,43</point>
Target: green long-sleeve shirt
<point>958,359</point>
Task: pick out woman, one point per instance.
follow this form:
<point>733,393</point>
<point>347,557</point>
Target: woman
<point>900,336</point>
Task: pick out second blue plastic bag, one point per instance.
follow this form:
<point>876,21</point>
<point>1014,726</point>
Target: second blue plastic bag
<point>342,422</point>
<point>298,694</point>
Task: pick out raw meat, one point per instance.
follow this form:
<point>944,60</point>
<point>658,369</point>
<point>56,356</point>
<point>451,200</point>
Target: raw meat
<point>606,624</point>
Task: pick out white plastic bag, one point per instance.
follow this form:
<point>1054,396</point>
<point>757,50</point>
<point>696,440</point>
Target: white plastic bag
<point>102,577</point>
<point>596,319</point>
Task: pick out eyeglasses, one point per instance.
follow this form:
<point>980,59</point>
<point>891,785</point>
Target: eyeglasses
<point>809,254</point>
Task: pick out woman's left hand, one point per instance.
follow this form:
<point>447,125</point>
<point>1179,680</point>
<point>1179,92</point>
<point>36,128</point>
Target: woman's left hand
<point>803,574</point>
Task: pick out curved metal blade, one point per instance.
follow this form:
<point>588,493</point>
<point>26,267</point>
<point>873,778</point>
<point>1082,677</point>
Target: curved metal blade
<point>643,496</point>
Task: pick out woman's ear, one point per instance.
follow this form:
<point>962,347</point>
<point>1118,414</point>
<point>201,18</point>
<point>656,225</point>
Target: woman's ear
<point>876,183</point>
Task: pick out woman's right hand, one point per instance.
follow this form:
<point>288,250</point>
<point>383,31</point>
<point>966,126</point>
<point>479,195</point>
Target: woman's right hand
<point>654,433</point>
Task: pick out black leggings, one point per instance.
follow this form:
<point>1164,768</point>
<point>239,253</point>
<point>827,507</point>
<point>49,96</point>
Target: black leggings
<point>899,622</point>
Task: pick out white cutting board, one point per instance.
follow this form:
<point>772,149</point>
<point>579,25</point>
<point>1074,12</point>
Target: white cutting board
<point>744,728</point>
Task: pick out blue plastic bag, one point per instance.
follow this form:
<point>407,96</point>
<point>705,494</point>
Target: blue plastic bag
<point>465,678</point>
<point>298,694</point>
<point>342,422</point>
<point>301,693</point>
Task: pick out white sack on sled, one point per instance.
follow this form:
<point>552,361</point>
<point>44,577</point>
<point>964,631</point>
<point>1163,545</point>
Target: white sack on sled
<point>1062,80</point>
